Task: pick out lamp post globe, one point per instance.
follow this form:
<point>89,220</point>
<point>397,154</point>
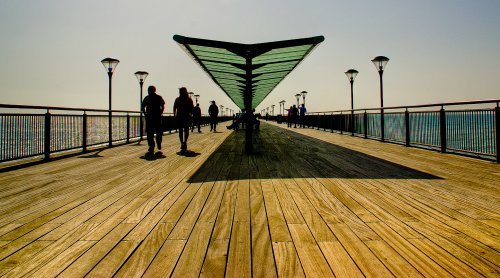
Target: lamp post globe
<point>196,97</point>
<point>110,66</point>
<point>141,77</point>
<point>351,75</point>
<point>380,63</point>
<point>303,93</point>
<point>298,97</point>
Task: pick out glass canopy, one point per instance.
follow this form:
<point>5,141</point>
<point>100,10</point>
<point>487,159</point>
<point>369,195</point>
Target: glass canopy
<point>247,73</point>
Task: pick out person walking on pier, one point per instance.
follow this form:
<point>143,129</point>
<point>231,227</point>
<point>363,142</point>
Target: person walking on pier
<point>183,109</point>
<point>153,106</point>
<point>213,111</point>
<point>196,117</point>
<point>295,113</point>
<point>302,115</point>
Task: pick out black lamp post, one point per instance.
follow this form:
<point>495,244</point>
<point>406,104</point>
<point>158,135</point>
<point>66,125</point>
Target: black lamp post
<point>283,103</point>
<point>303,93</point>
<point>272,110</point>
<point>351,75</point>
<point>196,97</point>
<point>141,76</point>
<point>110,66</point>
<point>380,62</point>
<point>298,97</point>
<point>222,110</point>
<point>191,94</point>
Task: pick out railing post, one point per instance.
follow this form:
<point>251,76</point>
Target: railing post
<point>365,124</point>
<point>46,148</point>
<point>324,121</point>
<point>442,129</point>
<point>497,131</point>
<point>407,128</point>
<point>341,126</point>
<point>128,128</point>
<point>84,132</point>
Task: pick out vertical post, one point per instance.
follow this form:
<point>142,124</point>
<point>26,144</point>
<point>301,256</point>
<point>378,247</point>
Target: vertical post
<point>365,124</point>
<point>442,129</point>
<point>497,131</point>
<point>46,148</point>
<point>341,126</point>
<point>248,104</point>
<point>382,124</point>
<point>324,121</point>
<point>110,114</point>
<point>407,128</point>
<point>141,124</point>
<point>128,128</point>
<point>84,130</point>
<point>352,106</point>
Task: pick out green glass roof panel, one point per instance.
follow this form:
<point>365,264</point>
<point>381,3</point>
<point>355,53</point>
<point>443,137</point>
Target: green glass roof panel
<point>247,73</point>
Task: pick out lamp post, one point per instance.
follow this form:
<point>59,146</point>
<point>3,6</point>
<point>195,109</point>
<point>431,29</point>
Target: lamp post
<point>272,110</point>
<point>110,65</point>
<point>141,76</point>
<point>351,74</point>
<point>283,103</point>
<point>191,94</point>
<point>222,110</point>
<point>303,93</point>
<point>298,97</point>
<point>380,62</point>
<point>196,97</point>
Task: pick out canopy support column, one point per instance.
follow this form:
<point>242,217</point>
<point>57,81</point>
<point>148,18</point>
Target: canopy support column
<point>248,104</point>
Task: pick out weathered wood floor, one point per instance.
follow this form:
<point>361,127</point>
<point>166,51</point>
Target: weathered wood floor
<point>308,203</point>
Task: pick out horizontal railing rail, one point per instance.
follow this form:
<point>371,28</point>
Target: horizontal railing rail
<point>472,128</point>
<point>26,133</point>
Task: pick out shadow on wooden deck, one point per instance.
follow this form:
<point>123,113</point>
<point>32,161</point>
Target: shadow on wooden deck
<point>282,153</point>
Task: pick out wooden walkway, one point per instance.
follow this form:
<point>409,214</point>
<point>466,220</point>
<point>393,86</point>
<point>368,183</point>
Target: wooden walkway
<point>307,203</point>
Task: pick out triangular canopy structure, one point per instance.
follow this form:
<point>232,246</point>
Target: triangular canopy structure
<point>247,73</point>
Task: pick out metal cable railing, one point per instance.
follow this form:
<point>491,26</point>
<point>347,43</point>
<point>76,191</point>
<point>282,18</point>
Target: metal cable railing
<point>463,127</point>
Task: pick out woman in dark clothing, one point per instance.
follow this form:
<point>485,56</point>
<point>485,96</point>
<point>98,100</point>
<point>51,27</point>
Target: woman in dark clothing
<point>183,108</point>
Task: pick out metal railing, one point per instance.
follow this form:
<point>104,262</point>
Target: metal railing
<point>27,133</point>
<point>469,128</point>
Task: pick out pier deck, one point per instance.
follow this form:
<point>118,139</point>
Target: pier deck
<point>307,203</point>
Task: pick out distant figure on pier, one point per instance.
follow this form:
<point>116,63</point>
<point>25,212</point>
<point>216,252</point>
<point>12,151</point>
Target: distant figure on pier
<point>153,106</point>
<point>295,113</point>
<point>196,117</point>
<point>213,111</point>
<point>183,109</point>
<point>302,115</point>
<point>246,118</point>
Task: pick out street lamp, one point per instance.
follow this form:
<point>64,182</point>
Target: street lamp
<point>298,97</point>
<point>351,74</point>
<point>380,62</point>
<point>283,103</point>
<point>191,94</point>
<point>110,65</point>
<point>222,110</point>
<point>141,76</point>
<point>196,97</point>
<point>272,110</point>
<point>303,93</point>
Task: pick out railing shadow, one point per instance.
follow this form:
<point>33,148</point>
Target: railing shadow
<point>281,153</point>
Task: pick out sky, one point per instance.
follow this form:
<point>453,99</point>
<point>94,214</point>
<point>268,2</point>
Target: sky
<point>439,50</point>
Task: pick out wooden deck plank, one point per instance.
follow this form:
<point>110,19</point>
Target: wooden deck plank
<point>306,203</point>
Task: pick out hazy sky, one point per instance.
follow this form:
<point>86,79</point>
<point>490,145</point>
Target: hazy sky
<point>439,50</point>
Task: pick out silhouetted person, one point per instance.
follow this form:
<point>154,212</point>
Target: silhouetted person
<point>213,111</point>
<point>289,116</point>
<point>153,106</point>
<point>302,115</point>
<point>196,117</point>
<point>295,113</point>
<point>183,108</point>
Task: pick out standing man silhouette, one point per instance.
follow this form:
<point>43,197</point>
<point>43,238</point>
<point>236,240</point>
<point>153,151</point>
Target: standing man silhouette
<point>183,109</point>
<point>196,117</point>
<point>153,106</point>
<point>213,111</point>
